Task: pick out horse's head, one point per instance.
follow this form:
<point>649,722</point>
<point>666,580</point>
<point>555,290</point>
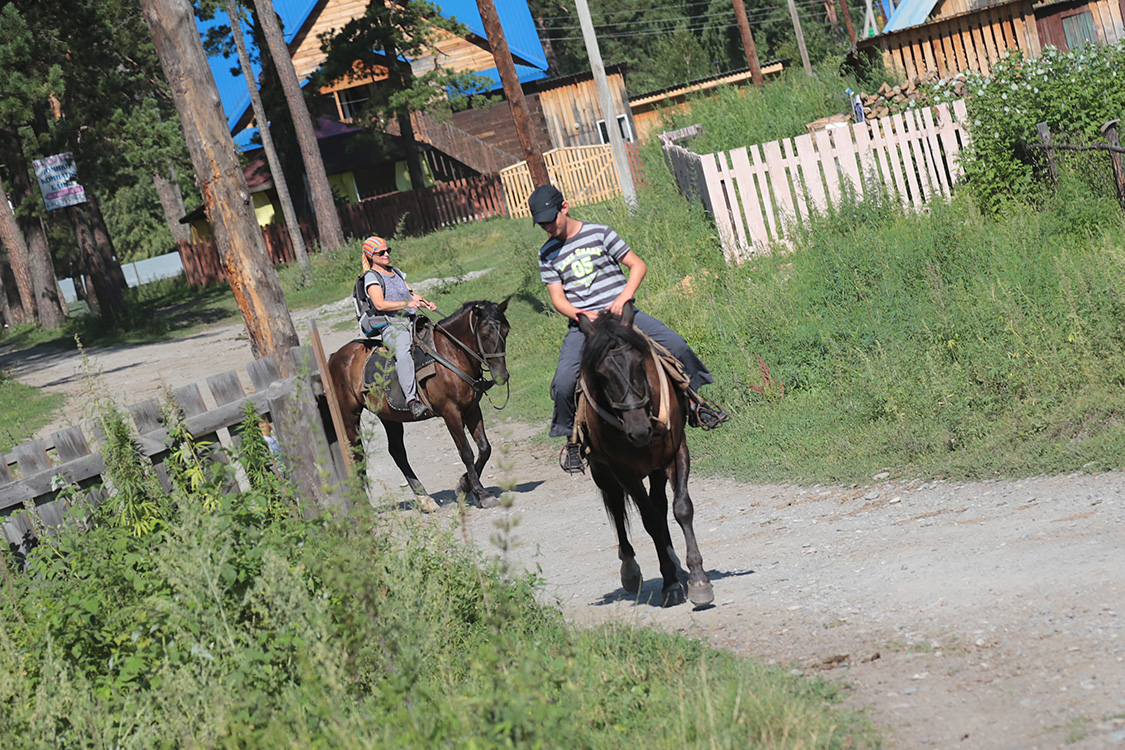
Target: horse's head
<point>613,364</point>
<point>491,330</point>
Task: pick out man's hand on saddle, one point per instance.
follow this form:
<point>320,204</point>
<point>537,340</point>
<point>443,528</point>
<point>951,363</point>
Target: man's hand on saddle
<point>617,307</point>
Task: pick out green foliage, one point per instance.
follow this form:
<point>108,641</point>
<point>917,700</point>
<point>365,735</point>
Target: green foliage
<point>739,116</point>
<point>136,501</point>
<point>1074,93</point>
<point>663,44</point>
<point>25,410</point>
<point>229,627</point>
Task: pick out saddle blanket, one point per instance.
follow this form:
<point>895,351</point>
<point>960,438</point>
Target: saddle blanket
<point>379,370</point>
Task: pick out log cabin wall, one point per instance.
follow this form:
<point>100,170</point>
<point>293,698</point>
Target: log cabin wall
<point>1062,24</point>
<point>975,40</point>
<point>572,110</point>
<point>494,125</point>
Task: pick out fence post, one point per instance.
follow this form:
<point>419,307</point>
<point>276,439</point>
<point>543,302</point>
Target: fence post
<point>1045,137</point>
<point>1110,131</point>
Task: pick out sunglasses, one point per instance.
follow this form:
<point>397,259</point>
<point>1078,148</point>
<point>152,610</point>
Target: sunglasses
<point>381,252</point>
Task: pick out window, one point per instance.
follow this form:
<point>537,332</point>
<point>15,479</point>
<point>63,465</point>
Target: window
<point>623,126</point>
<point>351,100</point>
<point>1079,29</point>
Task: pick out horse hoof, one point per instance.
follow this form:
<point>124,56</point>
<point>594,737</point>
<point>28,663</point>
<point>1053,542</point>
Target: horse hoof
<point>631,576</point>
<point>427,504</point>
<point>484,502</point>
<point>674,595</point>
<point>701,594</point>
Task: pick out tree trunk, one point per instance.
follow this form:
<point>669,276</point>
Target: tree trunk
<point>49,305</point>
<point>12,238</point>
<point>172,201</point>
<point>292,221</point>
<point>105,243</point>
<point>5,307</point>
<point>99,291</point>
<point>330,231</point>
<point>251,274</point>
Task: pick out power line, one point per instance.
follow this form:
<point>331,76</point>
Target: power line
<point>632,10</point>
<point>758,15</point>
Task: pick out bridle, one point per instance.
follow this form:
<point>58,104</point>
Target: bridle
<point>479,385</point>
<point>638,400</point>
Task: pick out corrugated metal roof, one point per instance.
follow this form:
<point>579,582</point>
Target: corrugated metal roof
<point>909,13</point>
<point>515,18</point>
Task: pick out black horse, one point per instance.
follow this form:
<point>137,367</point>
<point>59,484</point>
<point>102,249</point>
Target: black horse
<point>634,419</point>
<point>470,342</point>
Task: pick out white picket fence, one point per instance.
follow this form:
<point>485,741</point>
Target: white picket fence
<point>757,194</point>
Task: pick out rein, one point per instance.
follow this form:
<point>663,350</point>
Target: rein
<point>661,418</point>
<point>479,385</point>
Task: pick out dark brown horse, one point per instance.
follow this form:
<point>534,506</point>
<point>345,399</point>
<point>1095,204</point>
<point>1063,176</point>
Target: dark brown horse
<point>470,345</point>
<point>634,421</point>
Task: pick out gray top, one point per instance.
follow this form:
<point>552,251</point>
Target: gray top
<point>587,265</point>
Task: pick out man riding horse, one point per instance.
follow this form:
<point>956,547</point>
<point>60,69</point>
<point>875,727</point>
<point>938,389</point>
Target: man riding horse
<point>581,264</point>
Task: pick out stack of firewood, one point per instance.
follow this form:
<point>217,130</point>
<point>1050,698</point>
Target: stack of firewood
<point>920,90</point>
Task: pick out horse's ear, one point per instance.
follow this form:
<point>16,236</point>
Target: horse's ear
<point>504,305</point>
<point>585,325</point>
<point>627,313</point>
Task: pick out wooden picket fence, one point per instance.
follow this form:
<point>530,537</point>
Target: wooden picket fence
<point>418,212</point>
<point>757,194</point>
<point>584,174</point>
<point>34,473</point>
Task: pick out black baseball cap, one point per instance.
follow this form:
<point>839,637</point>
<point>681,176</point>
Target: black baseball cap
<point>545,203</point>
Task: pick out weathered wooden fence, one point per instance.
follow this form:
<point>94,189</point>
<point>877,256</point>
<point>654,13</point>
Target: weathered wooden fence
<point>419,211</point>
<point>584,174</point>
<point>757,194</point>
<point>32,476</point>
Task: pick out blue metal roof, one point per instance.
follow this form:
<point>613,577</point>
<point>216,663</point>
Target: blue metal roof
<point>515,18</point>
<point>909,13</point>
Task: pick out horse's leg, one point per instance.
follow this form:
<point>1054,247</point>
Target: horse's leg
<point>397,448</point>
<point>456,426</point>
<point>699,585</point>
<point>654,515</point>
<point>614,498</point>
<point>474,422</point>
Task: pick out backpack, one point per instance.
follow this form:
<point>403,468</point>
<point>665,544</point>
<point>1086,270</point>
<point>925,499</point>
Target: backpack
<point>363,304</point>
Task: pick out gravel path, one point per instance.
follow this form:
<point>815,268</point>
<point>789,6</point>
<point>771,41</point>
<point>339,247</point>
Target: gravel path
<point>967,615</point>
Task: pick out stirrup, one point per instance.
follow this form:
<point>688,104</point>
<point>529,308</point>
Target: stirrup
<point>706,416</point>
<point>570,459</point>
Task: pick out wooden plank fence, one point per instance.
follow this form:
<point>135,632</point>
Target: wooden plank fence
<point>757,194</point>
<point>584,174</point>
<point>32,475</point>
<point>418,212</point>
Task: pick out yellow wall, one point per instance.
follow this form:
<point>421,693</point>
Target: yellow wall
<point>343,184</point>
<point>264,209</point>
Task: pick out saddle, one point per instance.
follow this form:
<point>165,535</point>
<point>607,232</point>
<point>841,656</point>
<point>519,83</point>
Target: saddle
<point>379,369</point>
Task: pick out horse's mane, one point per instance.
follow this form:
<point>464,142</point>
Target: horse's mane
<point>490,309</point>
<point>608,333</point>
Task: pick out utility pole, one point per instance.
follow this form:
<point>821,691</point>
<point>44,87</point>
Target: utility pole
<point>327,219</point>
<point>609,112</point>
<point>748,43</point>
<point>800,36</point>
<point>848,21</point>
<point>536,166</point>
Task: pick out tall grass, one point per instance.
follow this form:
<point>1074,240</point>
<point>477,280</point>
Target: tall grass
<point>235,622</point>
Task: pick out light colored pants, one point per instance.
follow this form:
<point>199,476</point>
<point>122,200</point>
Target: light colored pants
<point>396,337</point>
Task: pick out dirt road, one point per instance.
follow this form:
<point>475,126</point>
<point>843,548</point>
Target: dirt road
<point>967,615</point>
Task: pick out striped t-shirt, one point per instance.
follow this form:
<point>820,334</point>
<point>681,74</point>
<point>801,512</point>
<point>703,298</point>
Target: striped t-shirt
<point>587,265</point>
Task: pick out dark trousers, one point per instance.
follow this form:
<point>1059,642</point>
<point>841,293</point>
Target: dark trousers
<point>565,382</point>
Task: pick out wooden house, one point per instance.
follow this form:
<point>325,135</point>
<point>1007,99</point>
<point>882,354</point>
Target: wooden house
<point>953,36</point>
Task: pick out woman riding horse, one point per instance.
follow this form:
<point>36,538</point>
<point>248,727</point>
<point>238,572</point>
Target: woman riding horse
<point>468,348</point>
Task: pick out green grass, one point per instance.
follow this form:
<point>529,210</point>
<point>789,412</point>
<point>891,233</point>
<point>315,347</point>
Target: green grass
<point>25,410</point>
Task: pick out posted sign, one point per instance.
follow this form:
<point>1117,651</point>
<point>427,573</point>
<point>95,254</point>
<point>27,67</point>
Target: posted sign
<point>56,175</point>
